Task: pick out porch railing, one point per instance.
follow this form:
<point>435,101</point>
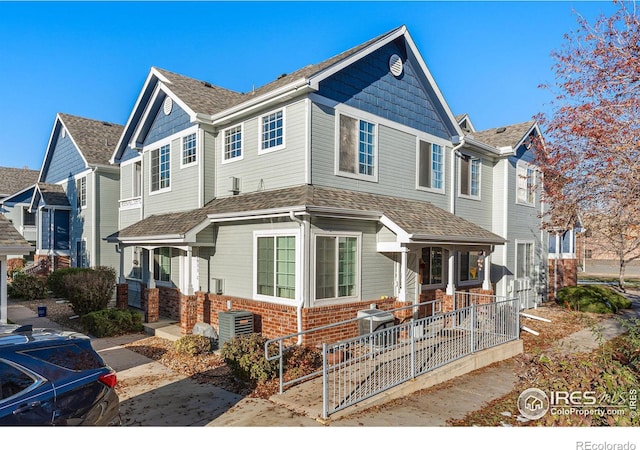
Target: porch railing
<point>361,367</point>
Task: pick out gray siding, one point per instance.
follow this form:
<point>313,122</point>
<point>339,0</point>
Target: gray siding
<point>397,152</point>
<point>107,217</point>
<point>129,217</point>
<point>276,169</point>
<point>209,169</point>
<point>479,211</point>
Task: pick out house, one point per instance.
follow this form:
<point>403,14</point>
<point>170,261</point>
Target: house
<point>16,189</point>
<point>344,184</point>
<point>76,194</point>
<point>11,243</point>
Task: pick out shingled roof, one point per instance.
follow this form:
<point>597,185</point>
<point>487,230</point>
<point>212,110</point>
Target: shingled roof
<point>420,219</point>
<point>507,136</point>
<point>13,180</point>
<point>53,194</point>
<point>10,239</point>
<point>96,139</point>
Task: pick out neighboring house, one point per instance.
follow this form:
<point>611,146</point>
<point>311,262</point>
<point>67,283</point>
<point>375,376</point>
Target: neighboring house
<point>341,185</point>
<point>11,243</point>
<point>16,189</point>
<point>76,196</point>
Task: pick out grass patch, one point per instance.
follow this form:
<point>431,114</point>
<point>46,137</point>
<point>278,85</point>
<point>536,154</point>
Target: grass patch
<point>592,298</point>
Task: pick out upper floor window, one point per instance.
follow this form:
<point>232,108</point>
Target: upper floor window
<point>189,150</point>
<point>470,176</point>
<point>431,266</point>
<point>137,179</point>
<point>336,266</point>
<point>233,143</point>
<point>430,166</point>
<point>81,192</point>
<point>161,168</point>
<point>357,147</point>
<point>526,183</point>
<point>272,131</point>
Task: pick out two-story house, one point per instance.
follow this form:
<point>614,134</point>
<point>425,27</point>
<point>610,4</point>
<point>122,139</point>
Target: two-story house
<point>76,196</point>
<point>11,243</point>
<point>16,189</point>
<point>344,184</point>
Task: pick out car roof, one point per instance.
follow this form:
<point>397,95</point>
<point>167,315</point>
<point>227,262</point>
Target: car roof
<point>11,335</point>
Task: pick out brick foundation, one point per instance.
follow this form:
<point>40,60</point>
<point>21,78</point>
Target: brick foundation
<point>151,305</point>
<point>567,275</point>
<point>122,296</point>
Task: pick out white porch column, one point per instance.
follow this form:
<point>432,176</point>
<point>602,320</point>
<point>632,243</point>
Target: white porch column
<point>151,283</point>
<point>486,283</point>
<point>189,271</point>
<point>121,278</point>
<point>451,276</point>
<point>403,276</point>
<point>3,289</point>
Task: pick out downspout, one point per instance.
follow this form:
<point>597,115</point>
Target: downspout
<point>96,232</point>
<point>454,187</point>
<point>304,228</point>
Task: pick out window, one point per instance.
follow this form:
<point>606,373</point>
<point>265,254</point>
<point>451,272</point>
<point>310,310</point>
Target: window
<point>233,143</point>
<point>336,266</point>
<point>162,264</point>
<point>430,166</point>
<point>189,150</point>
<point>470,176</point>
<point>276,266</point>
<point>357,147</point>
<point>562,243</point>
<point>81,253</point>
<point>526,180</point>
<point>431,267</point>
<point>524,260</point>
<point>160,168</point>
<point>471,266</point>
<point>272,131</point>
<point>137,179</point>
<point>28,218</point>
<point>81,192</point>
<point>13,381</point>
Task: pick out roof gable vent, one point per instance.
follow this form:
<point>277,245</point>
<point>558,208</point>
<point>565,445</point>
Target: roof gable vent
<point>395,65</point>
<point>167,106</point>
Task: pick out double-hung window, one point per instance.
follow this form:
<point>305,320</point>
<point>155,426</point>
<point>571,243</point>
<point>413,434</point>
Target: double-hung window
<point>357,148</point>
<point>471,266</point>
<point>276,266</point>
<point>336,266</point>
<point>430,166</point>
<point>189,150</point>
<point>470,176</point>
<point>161,168</point>
<point>233,143</point>
<point>81,192</point>
<point>162,264</point>
<point>272,131</point>
<point>524,260</point>
<point>431,266</point>
<point>81,253</point>
<point>526,180</point>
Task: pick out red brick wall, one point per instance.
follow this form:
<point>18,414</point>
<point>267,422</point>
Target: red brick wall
<point>567,275</point>
<point>169,302</point>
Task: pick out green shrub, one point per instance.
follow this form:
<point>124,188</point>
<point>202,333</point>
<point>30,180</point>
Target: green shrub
<point>89,290</point>
<point>245,357</point>
<point>55,279</point>
<point>112,322</point>
<point>592,298</point>
<point>26,286</point>
<point>192,345</point>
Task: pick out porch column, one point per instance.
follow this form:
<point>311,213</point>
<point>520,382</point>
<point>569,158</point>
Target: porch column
<point>403,276</point>
<point>451,283</point>
<point>3,289</point>
<point>486,283</point>
<point>121,278</point>
<point>151,282</point>
<point>189,270</point>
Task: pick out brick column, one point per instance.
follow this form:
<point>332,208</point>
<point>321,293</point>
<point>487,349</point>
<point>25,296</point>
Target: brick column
<point>152,305</point>
<point>188,313</point>
<point>122,296</point>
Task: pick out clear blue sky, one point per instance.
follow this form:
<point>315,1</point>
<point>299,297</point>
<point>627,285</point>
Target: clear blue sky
<point>91,58</point>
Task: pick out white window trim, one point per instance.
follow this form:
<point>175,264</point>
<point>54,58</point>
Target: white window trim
<point>262,151</point>
<point>558,239</point>
<point>162,282</point>
<point>526,166</point>
<point>533,262</point>
<point>223,145</point>
<point>295,232</point>
<point>162,190</point>
<point>75,252</point>
<point>358,296</point>
<point>445,266</point>
<point>476,282</point>
<point>469,196</point>
<point>86,192</point>
<point>197,155</point>
<point>444,165</point>
<point>376,162</point>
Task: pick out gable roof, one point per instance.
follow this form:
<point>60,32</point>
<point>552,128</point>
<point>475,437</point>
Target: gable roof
<point>10,240</point>
<point>419,220</point>
<point>95,139</point>
<point>507,136</point>
<point>51,194</point>
<point>13,180</point>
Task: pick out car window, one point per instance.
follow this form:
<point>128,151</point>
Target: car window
<point>71,356</point>
<point>12,380</point>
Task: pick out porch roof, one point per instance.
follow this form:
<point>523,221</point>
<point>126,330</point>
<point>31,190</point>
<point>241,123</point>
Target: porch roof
<point>418,220</point>
<point>11,242</point>
<point>52,195</point>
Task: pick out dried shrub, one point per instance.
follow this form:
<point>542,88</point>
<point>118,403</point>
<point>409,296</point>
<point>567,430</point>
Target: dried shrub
<point>55,280</point>
<point>90,290</point>
<point>192,345</point>
<point>26,287</point>
<point>245,356</point>
<point>112,322</point>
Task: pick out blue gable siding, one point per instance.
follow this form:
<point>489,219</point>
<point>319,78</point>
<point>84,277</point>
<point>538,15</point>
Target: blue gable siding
<point>128,154</point>
<point>25,197</point>
<point>64,159</point>
<point>164,126</point>
<point>368,85</point>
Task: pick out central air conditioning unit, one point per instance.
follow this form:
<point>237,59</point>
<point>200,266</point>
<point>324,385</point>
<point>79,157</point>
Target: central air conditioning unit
<point>232,324</point>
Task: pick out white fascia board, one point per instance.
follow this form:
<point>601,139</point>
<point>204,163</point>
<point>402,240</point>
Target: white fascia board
<point>402,235</point>
<point>342,212</point>
<point>457,241</point>
<point>160,239</point>
<point>47,154</point>
<point>262,213</point>
<point>15,249</point>
<point>9,197</point>
<point>483,148</point>
<point>315,80</point>
<point>389,247</point>
<point>190,236</point>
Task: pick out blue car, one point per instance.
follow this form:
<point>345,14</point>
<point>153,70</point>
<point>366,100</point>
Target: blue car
<point>51,377</point>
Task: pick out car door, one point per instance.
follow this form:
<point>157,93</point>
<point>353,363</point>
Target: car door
<point>25,397</point>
